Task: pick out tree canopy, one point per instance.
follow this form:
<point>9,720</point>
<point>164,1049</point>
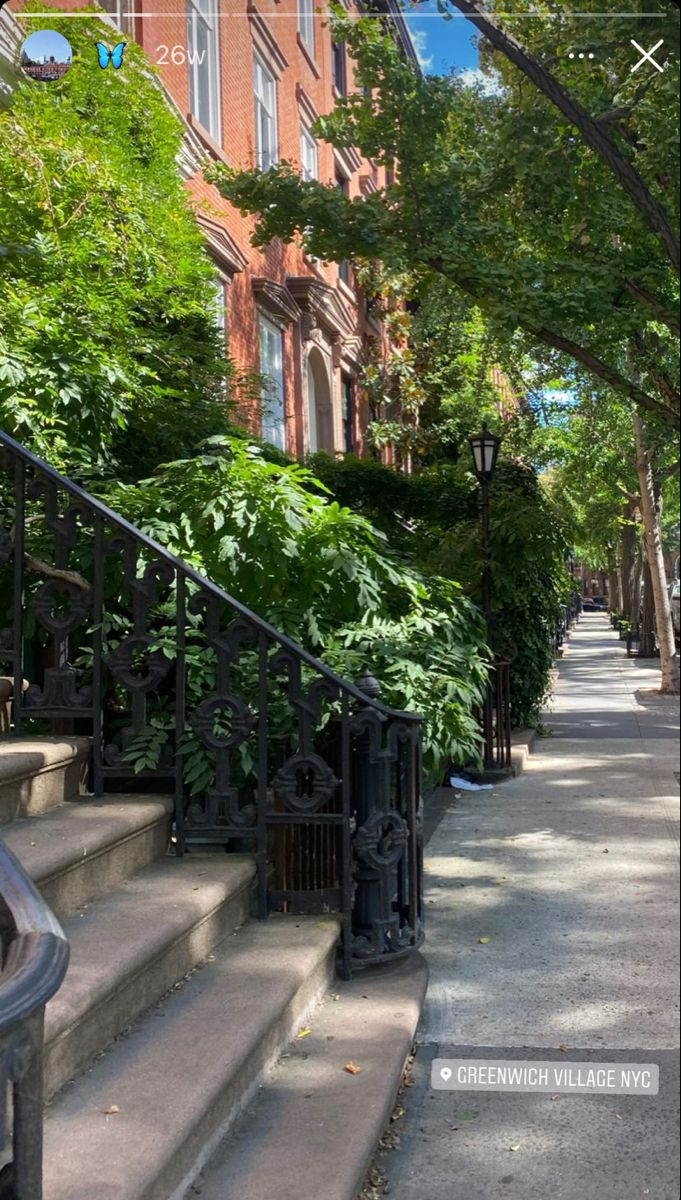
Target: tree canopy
<point>498,194</point>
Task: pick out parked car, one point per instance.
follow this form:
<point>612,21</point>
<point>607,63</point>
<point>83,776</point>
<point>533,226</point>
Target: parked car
<point>594,604</point>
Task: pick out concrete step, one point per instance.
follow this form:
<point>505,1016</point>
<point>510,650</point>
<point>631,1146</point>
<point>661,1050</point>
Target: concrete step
<point>39,773</point>
<point>138,1124</point>
<point>129,948</point>
<point>83,849</point>
<point>313,1129</point>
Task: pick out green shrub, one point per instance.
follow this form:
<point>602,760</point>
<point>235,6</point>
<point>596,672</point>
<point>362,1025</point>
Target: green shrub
<point>109,354</point>
<point>272,537</point>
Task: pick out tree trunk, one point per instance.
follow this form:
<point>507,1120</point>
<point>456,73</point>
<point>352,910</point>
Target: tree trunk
<point>630,597</point>
<point>646,646</point>
<point>650,510</point>
<point>614,590</point>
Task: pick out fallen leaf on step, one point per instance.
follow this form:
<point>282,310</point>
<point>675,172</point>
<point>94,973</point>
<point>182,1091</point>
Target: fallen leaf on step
<point>111,1110</point>
<point>303,1033</point>
<point>483,941</point>
<point>351,1068</point>
<point>605,851</point>
<point>563,1048</point>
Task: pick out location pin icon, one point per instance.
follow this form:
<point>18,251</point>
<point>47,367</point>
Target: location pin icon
<point>446,1074</point>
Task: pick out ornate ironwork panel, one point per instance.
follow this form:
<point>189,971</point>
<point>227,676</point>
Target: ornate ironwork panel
<point>183,688</point>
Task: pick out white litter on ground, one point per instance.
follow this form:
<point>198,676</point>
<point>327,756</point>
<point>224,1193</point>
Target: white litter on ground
<point>465,785</point>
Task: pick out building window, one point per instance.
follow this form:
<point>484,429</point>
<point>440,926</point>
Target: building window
<point>338,72</point>
<point>308,154</point>
<point>203,65</point>
<point>219,310</point>
<point>272,393</point>
<point>348,412</point>
<point>306,23</point>
<point>344,266</point>
<point>265,89</point>
<point>123,13</point>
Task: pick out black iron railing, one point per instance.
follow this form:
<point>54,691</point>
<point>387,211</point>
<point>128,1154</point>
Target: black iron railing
<point>496,718</point>
<point>561,630</point>
<point>34,955</point>
<point>183,688</point>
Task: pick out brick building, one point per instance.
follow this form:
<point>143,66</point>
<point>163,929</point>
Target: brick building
<point>248,80</point>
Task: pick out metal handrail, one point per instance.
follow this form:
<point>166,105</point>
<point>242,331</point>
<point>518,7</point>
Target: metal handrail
<point>35,956</point>
<point>37,953</point>
<point>204,583</point>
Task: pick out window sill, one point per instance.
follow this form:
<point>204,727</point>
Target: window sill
<point>345,289</point>
<point>207,140</point>
<point>308,55</point>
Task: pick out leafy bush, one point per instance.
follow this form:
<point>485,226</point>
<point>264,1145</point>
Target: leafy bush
<point>433,516</point>
<point>109,353</point>
<point>271,536</point>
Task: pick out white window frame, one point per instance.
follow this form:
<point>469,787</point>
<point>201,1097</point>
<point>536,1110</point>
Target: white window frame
<point>273,394</point>
<point>204,12</point>
<point>309,158</point>
<point>306,23</point>
<point>265,100</point>
<point>220,309</point>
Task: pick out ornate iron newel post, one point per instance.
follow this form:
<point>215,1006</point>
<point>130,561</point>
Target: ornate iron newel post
<point>386,915</point>
<point>368,909</point>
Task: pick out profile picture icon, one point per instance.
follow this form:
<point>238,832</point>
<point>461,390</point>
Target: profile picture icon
<point>45,56</point>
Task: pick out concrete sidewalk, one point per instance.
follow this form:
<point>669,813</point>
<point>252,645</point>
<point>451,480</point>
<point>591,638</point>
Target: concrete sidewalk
<point>571,872</point>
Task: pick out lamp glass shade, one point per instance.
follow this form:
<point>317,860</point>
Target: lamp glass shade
<point>485,448</point>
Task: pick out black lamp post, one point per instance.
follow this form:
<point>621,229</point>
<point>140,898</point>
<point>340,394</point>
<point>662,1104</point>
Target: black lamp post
<point>485,449</point>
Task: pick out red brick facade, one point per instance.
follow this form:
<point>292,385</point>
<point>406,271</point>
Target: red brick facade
<point>305,317</point>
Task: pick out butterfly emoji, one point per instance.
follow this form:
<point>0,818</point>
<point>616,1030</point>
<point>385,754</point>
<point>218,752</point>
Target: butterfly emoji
<point>106,56</point>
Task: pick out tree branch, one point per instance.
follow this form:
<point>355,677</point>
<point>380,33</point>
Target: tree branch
<point>653,214</point>
<point>664,317</point>
<point>580,354</point>
<point>43,568</point>
<point>607,373</point>
<point>627,494</point>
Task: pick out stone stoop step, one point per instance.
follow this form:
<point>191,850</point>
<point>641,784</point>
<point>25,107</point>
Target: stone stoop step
<point>313,1128</point>
<point>81,850</point>
<point>38,773</point>
<point>140,1123</point>
<point>130,947</point>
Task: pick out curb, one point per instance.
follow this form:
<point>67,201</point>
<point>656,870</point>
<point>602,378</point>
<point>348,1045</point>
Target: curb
<point>522,745</point>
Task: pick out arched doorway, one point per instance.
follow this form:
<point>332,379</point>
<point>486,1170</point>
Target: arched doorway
<point>319,406</point>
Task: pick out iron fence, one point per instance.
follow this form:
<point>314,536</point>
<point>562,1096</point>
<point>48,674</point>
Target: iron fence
<point>496,718</point>
<point>184,689</point>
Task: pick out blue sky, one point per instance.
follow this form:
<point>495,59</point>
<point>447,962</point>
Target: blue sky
<point>45,43</point>
<point>442,44</point>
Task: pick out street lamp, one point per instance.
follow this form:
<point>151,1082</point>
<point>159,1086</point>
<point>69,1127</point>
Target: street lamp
<point>485,449</point>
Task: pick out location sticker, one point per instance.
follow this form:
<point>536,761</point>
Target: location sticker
<point>446,1074</point>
